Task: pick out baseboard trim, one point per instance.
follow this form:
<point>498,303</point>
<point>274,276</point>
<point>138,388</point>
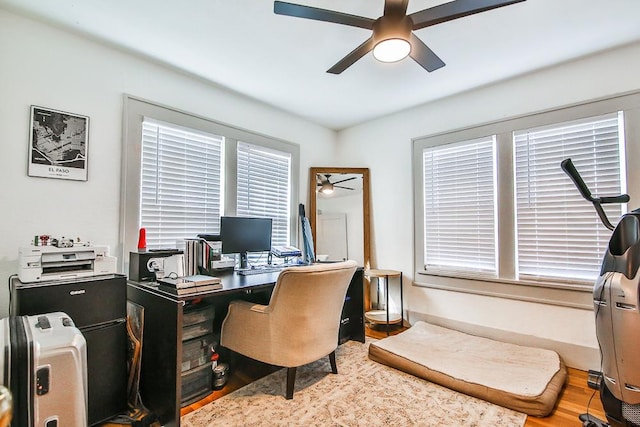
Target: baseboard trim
<point>573,355</point>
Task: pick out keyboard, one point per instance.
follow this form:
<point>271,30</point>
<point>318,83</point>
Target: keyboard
<point>261,270</point>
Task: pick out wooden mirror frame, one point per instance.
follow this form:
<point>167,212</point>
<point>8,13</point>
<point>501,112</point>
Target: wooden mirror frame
<point>365,205</point>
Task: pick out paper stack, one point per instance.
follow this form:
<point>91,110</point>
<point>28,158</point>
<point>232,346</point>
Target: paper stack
<point>196,283</point>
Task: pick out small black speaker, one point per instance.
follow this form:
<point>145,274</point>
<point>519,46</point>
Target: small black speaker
<point>139,263</point>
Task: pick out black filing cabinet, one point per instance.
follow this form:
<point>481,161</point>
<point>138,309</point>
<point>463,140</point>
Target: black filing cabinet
<point>352,318</point>
<point>98,307</point>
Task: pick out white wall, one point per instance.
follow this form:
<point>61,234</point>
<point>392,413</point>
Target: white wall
<point>41,65</point>
<point>384,145</point>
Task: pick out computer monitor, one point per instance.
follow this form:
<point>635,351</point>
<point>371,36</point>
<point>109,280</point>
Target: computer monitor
<point>244,234</point>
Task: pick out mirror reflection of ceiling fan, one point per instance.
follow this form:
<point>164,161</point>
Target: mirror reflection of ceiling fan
<point>326,186</point>
<point>393,37</point>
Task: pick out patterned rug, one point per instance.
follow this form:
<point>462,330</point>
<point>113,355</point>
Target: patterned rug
<point>363,393</point>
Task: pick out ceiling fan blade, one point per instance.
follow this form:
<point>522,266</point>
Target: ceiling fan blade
<point>346,188</point>
<point>398,7</point>
<point>453,10</point>
<point>300,11</point>
<point>424,56</point>
<point>352,57</point>
<point>347,179</point>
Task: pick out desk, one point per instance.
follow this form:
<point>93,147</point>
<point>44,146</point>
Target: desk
<point>160,382</point>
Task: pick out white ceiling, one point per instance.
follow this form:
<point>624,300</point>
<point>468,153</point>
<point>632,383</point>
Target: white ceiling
<point>282,61</point>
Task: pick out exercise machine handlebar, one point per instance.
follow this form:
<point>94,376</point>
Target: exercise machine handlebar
<point>569,168</point>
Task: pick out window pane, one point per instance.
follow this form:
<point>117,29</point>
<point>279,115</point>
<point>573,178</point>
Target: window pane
<point>180,190</point>
<point>459,206</point>
<point>559,233</point>
<point>264,190</point>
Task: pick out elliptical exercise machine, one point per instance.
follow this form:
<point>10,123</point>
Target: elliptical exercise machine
<point>617,314</point>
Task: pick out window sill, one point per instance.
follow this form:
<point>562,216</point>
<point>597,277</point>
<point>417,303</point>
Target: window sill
<point>568,294</point>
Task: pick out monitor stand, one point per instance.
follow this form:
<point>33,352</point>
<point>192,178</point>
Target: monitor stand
<point>244,264</point>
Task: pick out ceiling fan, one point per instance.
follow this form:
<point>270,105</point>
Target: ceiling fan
<point>393,38</point>
<point>326,186</point>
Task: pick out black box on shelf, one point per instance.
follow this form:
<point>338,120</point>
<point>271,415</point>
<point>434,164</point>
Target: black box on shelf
<point>140,263</point>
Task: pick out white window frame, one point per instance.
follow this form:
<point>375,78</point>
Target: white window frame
<point>443,219</point>
<point>135,109</point>
<point>182,172</point>
<point>507,285</point>
<point>546,251</point>
<point>271,194</point>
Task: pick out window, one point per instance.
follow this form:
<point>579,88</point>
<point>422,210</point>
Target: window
<point>180,190</point>
<point>558,234</point>
<point>181,172</point>
<point>264,188</point>
<point>459,206</point>
<point>548,241</point>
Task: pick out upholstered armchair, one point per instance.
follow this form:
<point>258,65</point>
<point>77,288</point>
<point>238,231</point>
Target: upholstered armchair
<point>301,323</point>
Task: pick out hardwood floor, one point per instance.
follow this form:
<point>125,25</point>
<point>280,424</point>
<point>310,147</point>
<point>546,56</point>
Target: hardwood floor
<point>574,399</point>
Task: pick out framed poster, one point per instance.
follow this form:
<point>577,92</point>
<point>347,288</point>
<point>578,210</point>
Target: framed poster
<point>58,144</point>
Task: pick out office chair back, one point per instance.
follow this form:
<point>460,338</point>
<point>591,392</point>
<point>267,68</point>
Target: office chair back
<point>301,324</point>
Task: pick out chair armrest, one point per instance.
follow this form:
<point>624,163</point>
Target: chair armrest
<point>260,308</point>
<point>247,328</point>
<point>250,306</point>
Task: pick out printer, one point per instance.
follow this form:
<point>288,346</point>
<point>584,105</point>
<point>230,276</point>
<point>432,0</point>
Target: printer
<point>40,263</point>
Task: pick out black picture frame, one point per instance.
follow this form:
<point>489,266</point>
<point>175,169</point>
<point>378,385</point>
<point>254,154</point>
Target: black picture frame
<point>58,144</point>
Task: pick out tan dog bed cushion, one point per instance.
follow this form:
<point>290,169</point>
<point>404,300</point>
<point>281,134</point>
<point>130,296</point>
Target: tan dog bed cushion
<point>521,378</point>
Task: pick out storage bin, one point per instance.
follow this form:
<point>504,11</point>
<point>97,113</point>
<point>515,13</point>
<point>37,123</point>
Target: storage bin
<point>196,384</point>
<point>197,330</point>
<point>197,351</point>
<point>198,313</point>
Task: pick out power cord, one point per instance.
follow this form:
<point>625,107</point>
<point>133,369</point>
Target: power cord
<point>257,262</point>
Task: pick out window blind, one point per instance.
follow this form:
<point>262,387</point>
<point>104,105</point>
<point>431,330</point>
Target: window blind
<point>559,233</point>
<point>180,191</point>
<point>459,206</point>
<point>264,187</point>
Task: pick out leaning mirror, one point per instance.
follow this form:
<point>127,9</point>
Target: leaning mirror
<point>339,214</point>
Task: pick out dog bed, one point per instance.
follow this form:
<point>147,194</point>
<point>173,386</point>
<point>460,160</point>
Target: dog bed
<point>525,379</point>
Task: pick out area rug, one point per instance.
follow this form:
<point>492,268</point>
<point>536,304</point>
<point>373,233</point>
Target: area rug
<point>363,393</point>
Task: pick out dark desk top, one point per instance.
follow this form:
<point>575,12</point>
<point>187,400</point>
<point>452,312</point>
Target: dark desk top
<point>232,282</point>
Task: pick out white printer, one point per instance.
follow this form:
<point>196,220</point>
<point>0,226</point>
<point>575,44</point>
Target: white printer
<point>40,263</point>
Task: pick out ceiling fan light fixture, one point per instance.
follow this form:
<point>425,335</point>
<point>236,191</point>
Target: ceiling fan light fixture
<point>392,50</point>
<point>393,36</point>
<point>326,188</point>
